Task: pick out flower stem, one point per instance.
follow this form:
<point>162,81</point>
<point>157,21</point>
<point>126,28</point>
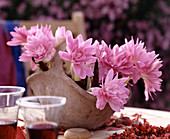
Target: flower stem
<point>43,66</point>
<point>95,78</point>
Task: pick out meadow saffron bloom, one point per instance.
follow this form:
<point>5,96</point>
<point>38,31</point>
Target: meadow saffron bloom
<point>80,53</point>
<point>113,91</point>
<point>19,36</point>
<point>38,44</point>
<point>114,58</point>
<point>40,47</point>
<point>150,74</point>
<point>145,65</point>
<point>45,29</point>
<point>60,35</point>
<point>138,57</point>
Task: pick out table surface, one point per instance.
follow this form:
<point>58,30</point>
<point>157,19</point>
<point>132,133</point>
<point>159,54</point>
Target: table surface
<point>154,117</point>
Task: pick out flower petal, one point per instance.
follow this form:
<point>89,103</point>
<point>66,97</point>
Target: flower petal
<point>64,55</point>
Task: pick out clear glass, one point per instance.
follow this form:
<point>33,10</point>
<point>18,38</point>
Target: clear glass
<point>41,115</point>
<point>9,110</point>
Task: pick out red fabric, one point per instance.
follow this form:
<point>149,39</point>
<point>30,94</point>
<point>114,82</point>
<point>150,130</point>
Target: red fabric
<point>8,74</point>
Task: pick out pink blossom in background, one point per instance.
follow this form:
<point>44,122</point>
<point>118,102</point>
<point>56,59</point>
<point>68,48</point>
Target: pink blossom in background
<point>38,3</point>
<point>113,91</point>
<point>52,9</point>
<point>42,17</point>
<point>67,4</point>
<point>164,7</point>
<point>21,8</point>
<point>108,12</point>
<point>5,3</point>
<point>80,53</point>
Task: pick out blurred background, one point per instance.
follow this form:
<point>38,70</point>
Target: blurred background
<point>111,21</point>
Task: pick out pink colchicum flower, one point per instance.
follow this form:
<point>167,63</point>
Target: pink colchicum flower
<point>41,47</point>
<point>150,74</point>
<point>44,29</point>
<point>19,36</point>
<point>60,33</point>
<point>145,66</point>
<point>39,44</point>
<point>138,56</point>
<point>115,59</point>
<point>113,91</point>
<point>80,53</point>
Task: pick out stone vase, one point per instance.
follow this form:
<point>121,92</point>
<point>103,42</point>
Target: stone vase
<point>80,109</point>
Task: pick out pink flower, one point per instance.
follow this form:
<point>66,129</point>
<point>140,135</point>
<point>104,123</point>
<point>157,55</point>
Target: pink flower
<point>138,56</point>
<point>39,43</point>
<point>80,53</point>
<point>115,59</point>
<point>44,29</point>
<point>112,91</point>
<point>60,33</point>
<point>146,66</point>
<point>19,36</point>
<point>150,74</point>
<point>40,47</point>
